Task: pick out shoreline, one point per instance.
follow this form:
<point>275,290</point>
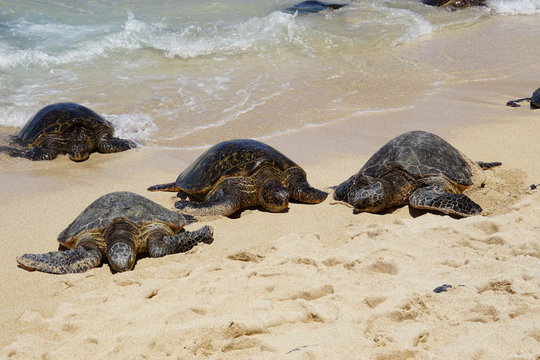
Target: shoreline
<point>316,281</point>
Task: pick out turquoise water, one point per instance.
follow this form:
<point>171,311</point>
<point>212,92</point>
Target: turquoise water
<point>190,73</point>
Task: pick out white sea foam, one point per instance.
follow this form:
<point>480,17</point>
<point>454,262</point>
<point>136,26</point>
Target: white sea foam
<point>256,34</point>
<point>136,126</point>
<point>515,7</point>
<point>10,117</point>
<point>415,25</point>
<point>84,43</point>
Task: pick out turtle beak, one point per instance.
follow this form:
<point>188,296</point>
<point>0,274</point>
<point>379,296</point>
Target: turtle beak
<point>78,157</point>
<point>79,152</point>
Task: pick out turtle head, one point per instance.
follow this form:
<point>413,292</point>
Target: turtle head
<point>79,152</point>
<point>273,196</point>
<point>370,198</point>
<point>80,148</point>
<point>121,252</point>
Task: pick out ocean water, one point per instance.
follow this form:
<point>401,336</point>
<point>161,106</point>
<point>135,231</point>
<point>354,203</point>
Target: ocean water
<point>190,73</point>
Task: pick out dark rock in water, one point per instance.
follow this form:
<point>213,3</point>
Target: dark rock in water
<point>312,6</point>
<point>455,4</point>
<point>442,288</point>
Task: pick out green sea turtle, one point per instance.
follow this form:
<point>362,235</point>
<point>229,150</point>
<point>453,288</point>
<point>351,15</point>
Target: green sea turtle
<point>455,4</point>
<point>65,128</point>
<point>237,174</point>
<point>416,168</point>
<point>117,226</point>
<point>534,100</point>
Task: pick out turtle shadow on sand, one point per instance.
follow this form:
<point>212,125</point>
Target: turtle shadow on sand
<point>414,213</point>
<point>239,174</point>
<point>238,214</point>
<point>419,169</point>
<point>118,227</point>
<point>65,128</point>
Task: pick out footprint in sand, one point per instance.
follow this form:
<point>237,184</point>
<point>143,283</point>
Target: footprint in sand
<point>397,355</point>
<point>301,261</point>
<point>246,256</point>
<point>374,301</point>
<point>372,231</point>
<point>501,286</point>
<point>312,294</point>
<point>483,314</point>
<point>347,263</point>
<point>384,267</point>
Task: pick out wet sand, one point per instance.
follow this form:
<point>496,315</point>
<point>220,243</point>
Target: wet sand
<point>315,282</point>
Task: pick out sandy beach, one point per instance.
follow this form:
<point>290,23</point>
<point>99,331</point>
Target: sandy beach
<point>317,281</point>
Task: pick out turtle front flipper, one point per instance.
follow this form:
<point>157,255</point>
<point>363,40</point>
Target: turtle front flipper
<point>514,103</point>
<point>181,242</point>
<point>164,187</point>
<point>435,198</point>
<point>39,153</point>
<point>13,152</point>
<point>346,191</point>
<point>308,194</point>
<point>113,144</point>
<point>301,190</point>
<point>231,195</point>
<point>213,207</point>
<point>35,154</point>
<point>62,262</point>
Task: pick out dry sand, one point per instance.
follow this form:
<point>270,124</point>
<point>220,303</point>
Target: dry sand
<point>316,282</point>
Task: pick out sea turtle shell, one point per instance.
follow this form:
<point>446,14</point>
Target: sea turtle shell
<point>422,155</point>
<point>135,208</point>
<point>57,119</point>
<point>226,159</point>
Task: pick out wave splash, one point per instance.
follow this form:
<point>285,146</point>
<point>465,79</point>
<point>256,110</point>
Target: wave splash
<point>515,7</point>
<point>84,43</point>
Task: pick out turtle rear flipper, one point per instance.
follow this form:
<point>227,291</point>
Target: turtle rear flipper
<point>514,103</point>
<point>435,198</point>
<point>181,242</point>
<point>62,262</point>
<point>488,165</point>
<point>231,195</point>
<point>172,187</point>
